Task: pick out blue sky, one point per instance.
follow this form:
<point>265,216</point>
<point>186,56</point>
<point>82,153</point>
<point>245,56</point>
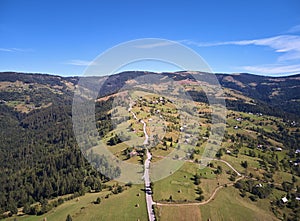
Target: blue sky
<point>62,37</point>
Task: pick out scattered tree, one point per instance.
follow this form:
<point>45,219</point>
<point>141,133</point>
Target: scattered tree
<point>69,218</point>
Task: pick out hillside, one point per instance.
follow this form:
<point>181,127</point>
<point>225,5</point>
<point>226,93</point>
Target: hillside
<point>39,155</point>
<point>275,94</point>
<point>279,93</point>
<point>41,161</point>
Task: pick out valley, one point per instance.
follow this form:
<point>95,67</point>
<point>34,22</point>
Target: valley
<point>252,173</point>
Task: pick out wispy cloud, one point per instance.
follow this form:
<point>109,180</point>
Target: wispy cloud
<point>288,45</point>
<point>295,29</point>
<point>155,45</point>
<point>273,69</point>
<point>5,49</point>
<point>79,62</point>
<point>14,49</point>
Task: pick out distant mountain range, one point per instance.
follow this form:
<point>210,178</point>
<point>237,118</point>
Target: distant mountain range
<point>279,96</point>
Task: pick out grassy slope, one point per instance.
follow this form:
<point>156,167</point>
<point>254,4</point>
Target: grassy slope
<point>116,206</point>
<point>228,205</point>
<point>179,213</point>
<point>180,180</point>
<point>181,186</point>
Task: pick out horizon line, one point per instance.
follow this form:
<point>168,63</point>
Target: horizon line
<point>154,72</point>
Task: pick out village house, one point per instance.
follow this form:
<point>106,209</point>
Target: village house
<point>259,146</point>
<point>259,185</point>
<point>284,199</point>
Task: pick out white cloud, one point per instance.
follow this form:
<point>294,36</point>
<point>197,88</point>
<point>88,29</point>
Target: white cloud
<point>14,49</point>
<point>295,29</point>
<point>288,45</point>
<point>79,62</point>
<point>273,69</point>
<point>5,49</point>
<point>155,45</point>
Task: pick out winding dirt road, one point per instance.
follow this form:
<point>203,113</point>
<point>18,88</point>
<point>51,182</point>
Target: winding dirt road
<point>146,178</point>
<point>200,203</point>
<point>228,164</point>
<point>212,195</point>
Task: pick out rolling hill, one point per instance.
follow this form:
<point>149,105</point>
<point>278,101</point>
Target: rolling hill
<point>41,161</point>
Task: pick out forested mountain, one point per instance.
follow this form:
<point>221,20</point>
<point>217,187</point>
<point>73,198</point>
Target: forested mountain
<point>281,94</point>
<point>38,152</point>
<point>39,156</point>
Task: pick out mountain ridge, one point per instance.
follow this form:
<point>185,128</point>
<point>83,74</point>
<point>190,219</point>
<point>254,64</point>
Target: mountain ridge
<point>279,93</point>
